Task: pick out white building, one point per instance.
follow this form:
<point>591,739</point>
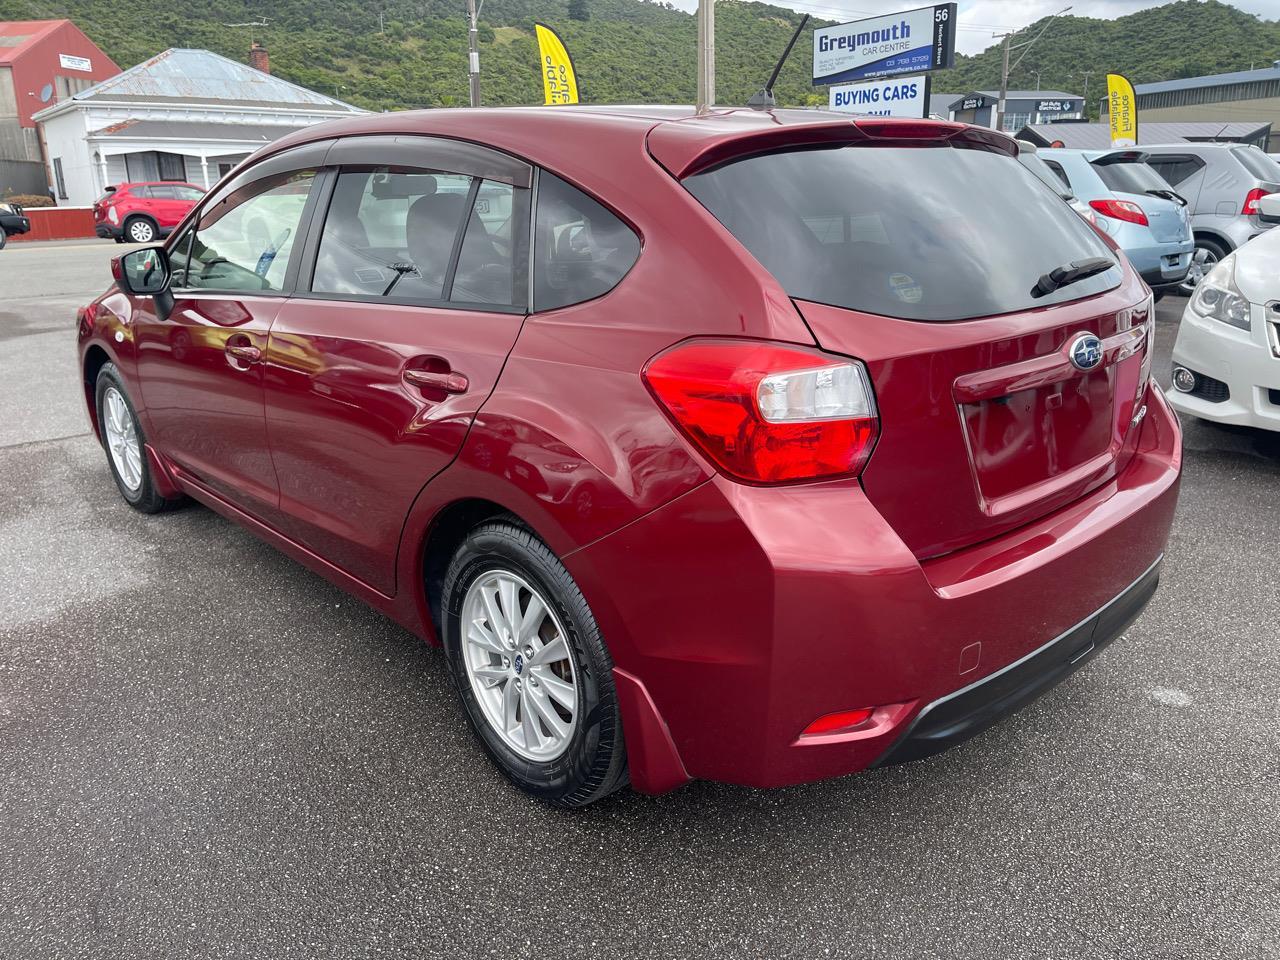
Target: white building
<point>188,115</point>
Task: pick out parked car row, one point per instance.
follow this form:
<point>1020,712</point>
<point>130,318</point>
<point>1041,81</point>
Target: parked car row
<point>1155,199</point>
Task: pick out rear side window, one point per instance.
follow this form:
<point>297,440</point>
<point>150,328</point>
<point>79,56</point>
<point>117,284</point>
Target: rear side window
<point>422,236</point>
<point>1130,177</point>
<point>901,231</point>
<point>1258,164</point>
<point>1058,172</point>
<point>580,249</point>
<point>1174,170</point>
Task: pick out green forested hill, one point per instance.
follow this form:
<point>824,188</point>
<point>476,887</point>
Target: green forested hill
<point>627,51</point>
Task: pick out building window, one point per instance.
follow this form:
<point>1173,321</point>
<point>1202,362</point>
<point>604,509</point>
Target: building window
<point>152,165</point>
<point>1013,122</point>
<point>59,179</point>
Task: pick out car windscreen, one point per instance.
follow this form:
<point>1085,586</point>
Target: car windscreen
<point>1130,177</point>
<point>903,231</point>
<point>1258,164</point>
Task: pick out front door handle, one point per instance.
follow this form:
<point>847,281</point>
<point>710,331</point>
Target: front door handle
<point>448,381</point>
<point>244,352</point>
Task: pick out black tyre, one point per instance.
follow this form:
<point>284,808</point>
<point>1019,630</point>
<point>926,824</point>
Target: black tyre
<point>125,444</point>
<point>4,238</point>
<point>532,670</point>
<point>141,230</point>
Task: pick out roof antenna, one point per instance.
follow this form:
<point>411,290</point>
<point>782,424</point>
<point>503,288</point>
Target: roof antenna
<point>764,99</point>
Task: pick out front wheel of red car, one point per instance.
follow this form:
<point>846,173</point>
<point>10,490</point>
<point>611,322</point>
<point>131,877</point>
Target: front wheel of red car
<point>531,668</point>
<point>125,444</point>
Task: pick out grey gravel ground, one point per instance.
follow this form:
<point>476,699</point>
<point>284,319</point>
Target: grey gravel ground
<point>210,752</point>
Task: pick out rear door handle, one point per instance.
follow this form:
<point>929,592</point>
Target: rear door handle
<point>246,353</point>
<point>449,381</point>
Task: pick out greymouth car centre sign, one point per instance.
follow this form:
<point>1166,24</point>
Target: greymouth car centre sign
<point>913,41</point>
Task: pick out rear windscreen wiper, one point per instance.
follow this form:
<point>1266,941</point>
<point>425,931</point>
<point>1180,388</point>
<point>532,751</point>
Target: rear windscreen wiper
<point>1169,195</point>
<point>1070,273</point>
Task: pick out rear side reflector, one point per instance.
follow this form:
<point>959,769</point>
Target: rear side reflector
<point>833,722</point>
<point>768,412</point>
<point>1120,210</point>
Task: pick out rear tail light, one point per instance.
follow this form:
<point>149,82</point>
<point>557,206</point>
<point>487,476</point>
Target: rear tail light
<point>1251,199</point>
<point>768,412</point>
<point>1125,210</point>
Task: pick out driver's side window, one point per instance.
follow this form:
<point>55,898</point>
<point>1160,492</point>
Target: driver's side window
<point>244,241</point>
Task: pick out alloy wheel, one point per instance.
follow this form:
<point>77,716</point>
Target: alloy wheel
<point>122,439</point>
<point>140,231</point>
<point>1202,261</point>
<point>517,657</point>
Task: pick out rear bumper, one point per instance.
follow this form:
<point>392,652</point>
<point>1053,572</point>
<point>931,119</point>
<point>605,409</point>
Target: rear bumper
<point>958,716</point>
<point>107,231</point>
<point>749,612</point>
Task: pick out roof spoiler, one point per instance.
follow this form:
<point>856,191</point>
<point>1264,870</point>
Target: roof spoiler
<point>1122,156</point>
<point>688,147</point>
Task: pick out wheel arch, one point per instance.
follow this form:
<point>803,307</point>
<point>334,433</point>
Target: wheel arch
<point>155,224</point>
<point>95,358</point>
<point>448,528</point>
<point>1208,233</point>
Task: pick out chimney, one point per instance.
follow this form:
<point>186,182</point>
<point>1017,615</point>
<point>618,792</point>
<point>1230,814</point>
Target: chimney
<point>258,58</point>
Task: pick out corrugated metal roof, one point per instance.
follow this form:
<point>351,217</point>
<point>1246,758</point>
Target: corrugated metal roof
<point>201,76</point>
<point>1215,80</point>
<point>1097,136</point>
<point>192,130</point>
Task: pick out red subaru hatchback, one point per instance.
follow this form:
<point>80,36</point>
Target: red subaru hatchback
<point>143,212</point>
<point>753,446</point>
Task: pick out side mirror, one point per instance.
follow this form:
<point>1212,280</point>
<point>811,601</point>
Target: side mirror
<point>1269,208</point>
<point>146,273</point>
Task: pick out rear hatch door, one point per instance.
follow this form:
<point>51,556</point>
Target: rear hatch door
<point>1127,175</point>
<point>893,257</point>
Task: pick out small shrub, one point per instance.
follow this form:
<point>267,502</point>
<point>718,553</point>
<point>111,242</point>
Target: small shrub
<point>28,200</point>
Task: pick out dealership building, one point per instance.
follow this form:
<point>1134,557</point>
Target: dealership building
<point>1246,95</point>
<point>1022,107</point>
<point>183,115</point>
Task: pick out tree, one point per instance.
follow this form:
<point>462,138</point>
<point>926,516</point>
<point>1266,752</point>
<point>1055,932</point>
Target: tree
<point>578,10</point>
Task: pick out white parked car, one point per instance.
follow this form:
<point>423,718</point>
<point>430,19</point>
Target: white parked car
<point>1226,361</point>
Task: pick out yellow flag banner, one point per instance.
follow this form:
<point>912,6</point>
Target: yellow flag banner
<point>559,83</point>
<point>1122,109</point>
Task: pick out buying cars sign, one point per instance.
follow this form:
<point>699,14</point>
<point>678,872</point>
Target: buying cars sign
<point>896,97</point>
<point>913,41</point>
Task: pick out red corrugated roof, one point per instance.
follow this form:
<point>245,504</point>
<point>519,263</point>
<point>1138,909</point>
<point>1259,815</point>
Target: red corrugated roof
<point>18,36</point>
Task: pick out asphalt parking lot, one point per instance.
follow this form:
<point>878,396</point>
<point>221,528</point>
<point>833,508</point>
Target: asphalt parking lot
<point>209,751</point>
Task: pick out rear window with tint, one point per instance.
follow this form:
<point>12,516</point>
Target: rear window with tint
<point>1258,164</point>
<point>903,231</point>
<point>1130,177</point>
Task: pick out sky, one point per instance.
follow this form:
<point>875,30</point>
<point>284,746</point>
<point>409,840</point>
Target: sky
<point>978,19</point>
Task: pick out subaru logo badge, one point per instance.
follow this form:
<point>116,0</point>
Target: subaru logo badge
<point>1085,351</point>
<point>519,663</point>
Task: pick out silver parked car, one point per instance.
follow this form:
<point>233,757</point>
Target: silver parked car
<point>1222,183</point>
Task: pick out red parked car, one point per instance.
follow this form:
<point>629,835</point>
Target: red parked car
<point>143,212</point>
<point>756,447</point>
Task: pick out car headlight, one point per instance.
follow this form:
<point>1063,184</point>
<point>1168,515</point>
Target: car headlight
<point>1218,298</point>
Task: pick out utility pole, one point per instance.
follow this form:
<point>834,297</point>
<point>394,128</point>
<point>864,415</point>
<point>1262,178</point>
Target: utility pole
<point>1004,82</point>
<point>1037,73</point>
<point>473,59</point>
<point>706,55</point>
<point>1005,68</point>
